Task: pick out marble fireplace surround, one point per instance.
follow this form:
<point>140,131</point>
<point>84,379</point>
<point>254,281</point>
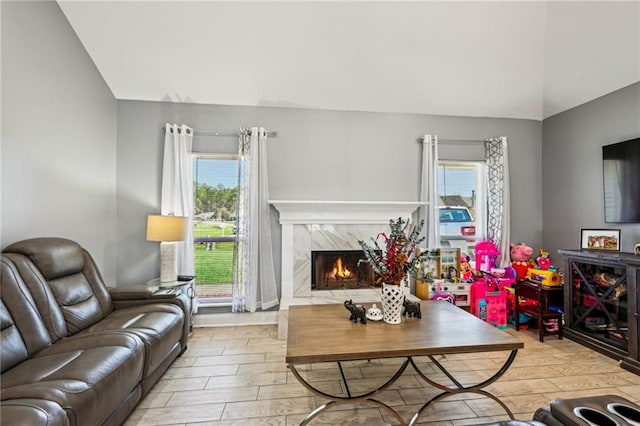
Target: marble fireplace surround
<point>327,225</point>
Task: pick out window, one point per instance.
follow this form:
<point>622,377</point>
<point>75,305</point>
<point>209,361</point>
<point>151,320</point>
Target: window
<point>215,210</point>
<point>461,193</point>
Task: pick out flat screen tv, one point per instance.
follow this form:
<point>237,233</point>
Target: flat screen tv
<point>621,171</point>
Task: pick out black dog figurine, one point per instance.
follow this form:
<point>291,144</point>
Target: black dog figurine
<point>412,309</point>
<point>357,311</point>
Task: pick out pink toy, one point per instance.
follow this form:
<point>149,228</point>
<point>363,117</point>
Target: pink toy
<point>521,259</point>
<point>509,272</point>
<point>485,253</point>
<point>543,260</point>
<point>442,295</point>
<point>466,272</point>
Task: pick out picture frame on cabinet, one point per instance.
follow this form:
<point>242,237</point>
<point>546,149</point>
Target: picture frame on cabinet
<point>430,265</point>
<point>600,239</point>
<point>449,262</point>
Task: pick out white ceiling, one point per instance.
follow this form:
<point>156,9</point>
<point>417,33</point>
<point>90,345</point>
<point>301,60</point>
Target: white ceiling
<point>513,59</point>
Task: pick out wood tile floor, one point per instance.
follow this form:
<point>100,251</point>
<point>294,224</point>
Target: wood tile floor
<point>237,375</point>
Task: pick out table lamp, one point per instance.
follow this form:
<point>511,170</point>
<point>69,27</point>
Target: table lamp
<point>167,230</point>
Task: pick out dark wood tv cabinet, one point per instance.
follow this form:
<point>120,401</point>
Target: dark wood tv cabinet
<point>602,304</point>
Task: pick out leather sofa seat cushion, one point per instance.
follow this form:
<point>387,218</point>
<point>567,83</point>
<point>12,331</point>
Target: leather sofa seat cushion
<point>85,374</point>
<point>32,412</point>
<point>159,326</point>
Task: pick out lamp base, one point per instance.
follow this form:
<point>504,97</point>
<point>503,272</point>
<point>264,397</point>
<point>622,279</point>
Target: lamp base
<point>168,262</point>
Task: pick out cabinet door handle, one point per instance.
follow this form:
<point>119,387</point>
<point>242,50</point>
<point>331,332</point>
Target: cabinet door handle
<point>637,315</point>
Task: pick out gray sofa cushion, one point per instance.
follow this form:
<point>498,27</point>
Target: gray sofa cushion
<point>158,325</point>
<point>87,375</point>
<point>33,412</point>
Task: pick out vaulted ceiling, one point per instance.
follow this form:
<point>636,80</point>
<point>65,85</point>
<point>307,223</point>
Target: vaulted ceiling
<point>518,59</point>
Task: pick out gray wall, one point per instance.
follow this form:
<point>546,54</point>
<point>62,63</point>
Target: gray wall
<point>317,155</point>
<point>58,135</point>
<point>572,167</point>
<point>77,164</point>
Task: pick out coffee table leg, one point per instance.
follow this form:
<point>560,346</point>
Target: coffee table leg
<point>459,388</point>
<point>344,380</point>
<point>336,399</point>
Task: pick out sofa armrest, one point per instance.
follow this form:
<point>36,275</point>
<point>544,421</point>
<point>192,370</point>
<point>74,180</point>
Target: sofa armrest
<point>136,292</point>
<point>145,296</point>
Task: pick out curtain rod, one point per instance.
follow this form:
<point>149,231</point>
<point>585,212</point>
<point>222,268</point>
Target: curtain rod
<point>454,141</point>
<point>222,133</point>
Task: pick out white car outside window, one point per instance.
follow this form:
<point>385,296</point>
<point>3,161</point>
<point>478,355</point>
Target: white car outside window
<point>456,223</point>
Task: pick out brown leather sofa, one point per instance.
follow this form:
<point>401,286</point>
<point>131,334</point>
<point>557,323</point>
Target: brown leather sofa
<point>73,351</point>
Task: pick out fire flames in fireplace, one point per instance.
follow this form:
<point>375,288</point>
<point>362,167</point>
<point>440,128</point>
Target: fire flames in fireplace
<point>339,271</point>
<point>333,270</point>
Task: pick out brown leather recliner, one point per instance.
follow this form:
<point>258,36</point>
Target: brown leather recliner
<point>74,351</point>
<point>601,410</point>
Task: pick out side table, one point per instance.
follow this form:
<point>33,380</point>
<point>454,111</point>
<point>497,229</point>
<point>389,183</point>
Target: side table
<point>179,287</point>
<point>541,313</point>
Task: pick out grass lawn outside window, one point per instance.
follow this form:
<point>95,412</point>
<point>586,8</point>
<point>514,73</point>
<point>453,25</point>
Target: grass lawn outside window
<point>213,261</point>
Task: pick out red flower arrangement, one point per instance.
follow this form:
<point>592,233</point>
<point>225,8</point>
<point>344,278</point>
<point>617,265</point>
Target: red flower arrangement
<point>392,257</point>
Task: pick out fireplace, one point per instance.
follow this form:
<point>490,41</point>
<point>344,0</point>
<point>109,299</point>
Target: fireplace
<point>309,225</point>
<point>339,269</point>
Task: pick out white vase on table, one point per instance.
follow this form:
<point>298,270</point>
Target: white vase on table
<point>392,298</point>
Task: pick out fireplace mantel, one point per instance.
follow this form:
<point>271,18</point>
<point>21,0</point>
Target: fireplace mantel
<point>343,212</point>
<point>320,225</point>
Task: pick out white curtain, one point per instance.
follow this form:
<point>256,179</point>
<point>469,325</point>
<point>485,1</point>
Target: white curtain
<point>429,191</point>
<point>254,278</point>
<point>177,188</point>
<point>498,197</point>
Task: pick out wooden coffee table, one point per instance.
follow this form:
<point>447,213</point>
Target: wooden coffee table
<point>323,333</point>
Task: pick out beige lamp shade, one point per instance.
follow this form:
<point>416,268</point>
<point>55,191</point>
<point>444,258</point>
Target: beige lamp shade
<point>166,228</point>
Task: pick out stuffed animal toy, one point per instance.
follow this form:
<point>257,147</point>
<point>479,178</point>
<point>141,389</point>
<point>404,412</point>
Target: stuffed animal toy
<point>521,259</point>
<point>467,273</point>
